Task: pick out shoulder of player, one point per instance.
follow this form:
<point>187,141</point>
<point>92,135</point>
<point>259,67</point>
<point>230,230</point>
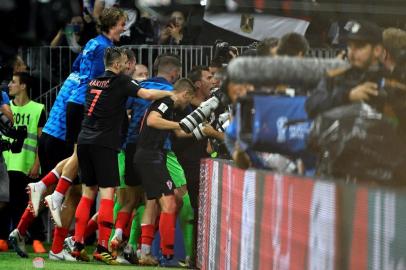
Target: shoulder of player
<point>166,100</point>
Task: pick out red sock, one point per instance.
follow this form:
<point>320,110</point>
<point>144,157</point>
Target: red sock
<point>50,179</point>
<point>167,225</point>
<point>25,221</point>
<point>105,221</point>
<point>127,230</point>
<point>59,236</point>
<point>122,220</point>
<point>64,184</point>
<point>147,234</point>
<point>82,216</point>
<point>91,227</point>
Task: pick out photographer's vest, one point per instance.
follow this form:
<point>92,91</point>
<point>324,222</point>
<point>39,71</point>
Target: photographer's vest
<point>27,115</point>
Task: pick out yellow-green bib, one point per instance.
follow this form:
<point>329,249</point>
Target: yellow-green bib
<point>27,115</point>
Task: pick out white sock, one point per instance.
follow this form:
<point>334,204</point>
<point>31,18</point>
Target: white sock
<point>57,198</point>
<point>118,234</point>
<point>40,186</point>
<point>145,249</point>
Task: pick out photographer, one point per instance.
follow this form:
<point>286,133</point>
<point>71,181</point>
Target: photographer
<point>189,151</point>
<point>24,167</point>
<point>360,81</point>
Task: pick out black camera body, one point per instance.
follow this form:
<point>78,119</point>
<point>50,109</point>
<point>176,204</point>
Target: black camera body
<point>222,51</point>
<point>18,135</point>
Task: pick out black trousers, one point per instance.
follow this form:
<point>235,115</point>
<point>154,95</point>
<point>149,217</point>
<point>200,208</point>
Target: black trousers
<point>192,174</point>
<point>12,211</point>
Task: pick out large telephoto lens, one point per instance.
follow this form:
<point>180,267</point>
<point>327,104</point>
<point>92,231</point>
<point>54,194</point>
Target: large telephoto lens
<point>190,122</point>
<point>198,132</point>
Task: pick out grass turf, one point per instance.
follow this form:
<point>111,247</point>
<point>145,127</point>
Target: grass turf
<point>11,261</point>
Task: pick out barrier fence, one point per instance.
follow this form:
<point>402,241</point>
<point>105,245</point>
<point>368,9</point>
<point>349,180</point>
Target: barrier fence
<point>259,220</point>
<point>52,65</point>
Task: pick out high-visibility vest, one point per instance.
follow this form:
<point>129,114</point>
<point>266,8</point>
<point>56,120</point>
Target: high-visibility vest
<point>27,115</point>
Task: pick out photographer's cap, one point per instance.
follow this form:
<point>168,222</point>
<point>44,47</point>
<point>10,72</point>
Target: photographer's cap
<point>363,31</point>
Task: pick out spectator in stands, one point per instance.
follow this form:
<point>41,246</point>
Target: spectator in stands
<point>175,31</point>
<point>76,33</point>
<point>146,29</point>
<point>24,167</point>
<point>19,65</point>
<point>346,85</point>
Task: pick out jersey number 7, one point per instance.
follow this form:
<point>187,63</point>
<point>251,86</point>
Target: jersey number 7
<point>95,99</point>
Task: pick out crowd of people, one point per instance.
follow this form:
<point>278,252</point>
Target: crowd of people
<point>114,132</point>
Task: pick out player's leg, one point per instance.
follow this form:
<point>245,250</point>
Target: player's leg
<point>184,208</point>
<point>57,251</point>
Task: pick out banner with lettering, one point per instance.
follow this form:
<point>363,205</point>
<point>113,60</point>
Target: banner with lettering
<point>253,219</point>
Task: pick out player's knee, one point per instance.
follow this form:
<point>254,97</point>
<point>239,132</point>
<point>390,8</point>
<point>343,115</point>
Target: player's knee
<point>169,204</point>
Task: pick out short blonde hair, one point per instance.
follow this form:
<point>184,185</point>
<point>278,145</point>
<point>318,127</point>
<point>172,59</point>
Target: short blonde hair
<point>394,39</point>
<point>110,17</point>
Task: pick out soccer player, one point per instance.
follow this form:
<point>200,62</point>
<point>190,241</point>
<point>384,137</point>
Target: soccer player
<point>112,21</point>
<point>168,71</point>
<point>151,165</point>
<point>98,144</point>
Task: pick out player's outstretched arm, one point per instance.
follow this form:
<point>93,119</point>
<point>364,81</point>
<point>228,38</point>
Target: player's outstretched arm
<point>153,94</point>
<point>155,120</point>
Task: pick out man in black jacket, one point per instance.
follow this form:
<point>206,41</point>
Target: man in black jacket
<point>360,82</point>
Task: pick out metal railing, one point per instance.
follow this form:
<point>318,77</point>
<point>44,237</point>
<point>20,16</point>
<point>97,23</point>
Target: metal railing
<point>52,65</point>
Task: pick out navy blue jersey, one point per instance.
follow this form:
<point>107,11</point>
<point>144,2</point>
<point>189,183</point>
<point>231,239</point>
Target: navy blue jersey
<point>105,109</point>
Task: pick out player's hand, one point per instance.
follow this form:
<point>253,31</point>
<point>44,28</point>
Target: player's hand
<point>363,92</point>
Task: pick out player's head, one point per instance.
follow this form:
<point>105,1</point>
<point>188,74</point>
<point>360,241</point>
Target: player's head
<point>141,72</point>
<point>112,22</point>
<point>131,62</point>
<point>169,67</point>
<point>202,79</point>
<point>184,90</point>
<point>115,59</point>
